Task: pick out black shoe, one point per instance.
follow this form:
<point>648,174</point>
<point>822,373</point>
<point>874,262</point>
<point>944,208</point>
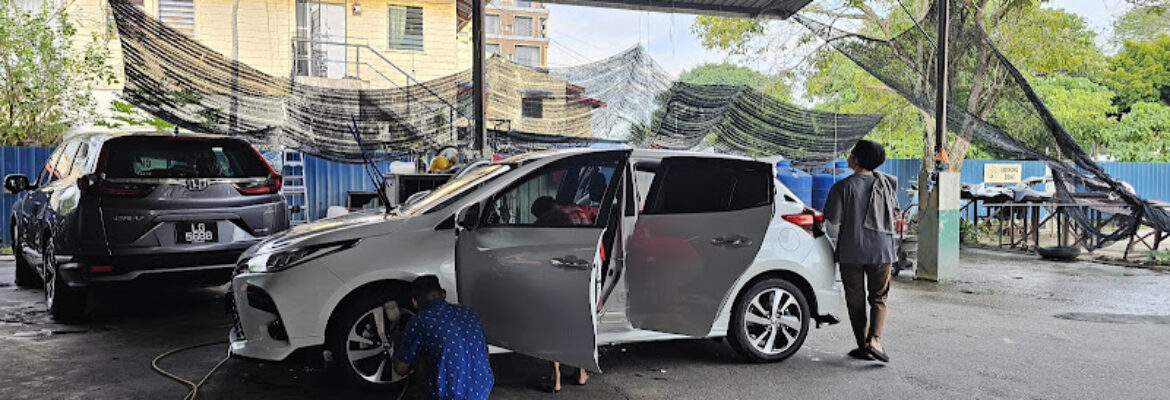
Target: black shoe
<point>879,355</point>
<point>860,354</point>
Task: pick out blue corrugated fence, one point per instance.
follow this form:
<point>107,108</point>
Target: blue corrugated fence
<point>19,160</point>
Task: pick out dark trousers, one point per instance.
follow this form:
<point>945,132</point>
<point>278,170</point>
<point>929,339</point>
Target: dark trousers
<point>855,278</point>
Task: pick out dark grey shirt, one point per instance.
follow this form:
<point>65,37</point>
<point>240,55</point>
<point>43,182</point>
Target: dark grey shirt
<point>846,204</point>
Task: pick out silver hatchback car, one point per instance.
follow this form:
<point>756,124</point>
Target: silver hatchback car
<point>559,252</point>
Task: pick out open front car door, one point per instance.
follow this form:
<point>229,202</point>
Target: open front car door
<point>528,265</point>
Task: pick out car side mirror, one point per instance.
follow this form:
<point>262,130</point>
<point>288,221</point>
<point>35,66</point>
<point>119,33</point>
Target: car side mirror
<point>16,183</point>
<point>468,217</point>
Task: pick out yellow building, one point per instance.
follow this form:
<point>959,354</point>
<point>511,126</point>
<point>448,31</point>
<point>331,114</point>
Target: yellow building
<point>376,42</point>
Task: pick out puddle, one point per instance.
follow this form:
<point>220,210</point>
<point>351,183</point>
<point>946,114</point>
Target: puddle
<point>1111,318</point>
<point>45,333</point>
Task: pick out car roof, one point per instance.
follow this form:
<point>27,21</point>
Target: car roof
<point>635,153</point>
<point>103,136</point>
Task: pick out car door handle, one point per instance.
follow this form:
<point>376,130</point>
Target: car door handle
<point>571,262</point>
<point>731,241</point>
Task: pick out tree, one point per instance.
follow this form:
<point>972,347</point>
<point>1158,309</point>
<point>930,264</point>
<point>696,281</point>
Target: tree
<point>1141,24</point>
<point>1143,134</point>
<point>1141,72</point>
<point>46,73</point>
<point>731,74</point>
<point>1018,27</point>
<point>1082,107</point>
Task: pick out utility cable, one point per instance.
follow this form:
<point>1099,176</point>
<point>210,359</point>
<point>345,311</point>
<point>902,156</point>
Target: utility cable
<point>193,385</point>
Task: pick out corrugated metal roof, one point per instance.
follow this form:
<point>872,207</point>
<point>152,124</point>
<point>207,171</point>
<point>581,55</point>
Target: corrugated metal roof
<point>729,8</point>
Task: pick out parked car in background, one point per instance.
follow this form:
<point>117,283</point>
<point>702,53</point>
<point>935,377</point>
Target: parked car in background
<point>559,252</point>
<point>109,208</point>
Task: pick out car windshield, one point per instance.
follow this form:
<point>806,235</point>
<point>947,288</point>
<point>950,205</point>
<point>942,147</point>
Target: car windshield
<point>454,189</point>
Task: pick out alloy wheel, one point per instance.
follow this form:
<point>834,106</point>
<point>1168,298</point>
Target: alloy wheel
<point>371,344</point>
<point>773,321</point>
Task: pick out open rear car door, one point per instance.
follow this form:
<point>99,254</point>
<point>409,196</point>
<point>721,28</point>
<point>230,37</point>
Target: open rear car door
<point>529,264</point>
<point>700,228</point>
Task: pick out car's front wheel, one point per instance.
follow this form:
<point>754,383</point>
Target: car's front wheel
<point>769,321</point>
<point>364,337</point>
<point>64,302</point>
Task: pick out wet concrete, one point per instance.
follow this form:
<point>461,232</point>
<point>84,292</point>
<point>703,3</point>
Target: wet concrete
<point>1011,327</point>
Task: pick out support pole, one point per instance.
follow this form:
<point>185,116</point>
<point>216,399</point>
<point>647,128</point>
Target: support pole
<point>938,252</point>
<point>477,78</point>
<point>940,104</point>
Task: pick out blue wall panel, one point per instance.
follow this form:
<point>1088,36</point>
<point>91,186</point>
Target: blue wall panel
<point>18,160</point>
<point>327,183</point>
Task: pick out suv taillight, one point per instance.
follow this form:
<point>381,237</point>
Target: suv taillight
<point>272,185</point>
<point>95,185</point>
<point>269,186</point>
<point>809,219</point>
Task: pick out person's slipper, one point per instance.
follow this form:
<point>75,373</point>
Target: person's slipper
<point>878,355</point>
<point>860,354</point>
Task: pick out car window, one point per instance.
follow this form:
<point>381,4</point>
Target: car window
<point>67,166</point>
<point>181,157</point>
<point>564,194</point>
<point>697,185</point>
<point>48,172</point>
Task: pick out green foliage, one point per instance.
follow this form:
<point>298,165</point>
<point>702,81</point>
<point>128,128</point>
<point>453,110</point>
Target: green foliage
<point>1141,24</point>
<point>1160,257</point>
<point>126,115</point>
<point>727,34</point>
<point>1141,72</point>
<point>731,74</point>
<point>1143,134</point>
<point>46,73</point>
<point>1069,46</point>
<point>1083,107</point>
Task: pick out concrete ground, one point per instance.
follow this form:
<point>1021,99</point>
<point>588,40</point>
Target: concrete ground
<point>1012,327</point>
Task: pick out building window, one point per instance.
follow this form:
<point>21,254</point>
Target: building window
<point>532,107</point>
<point>491,24</point>
<point>523,4</point>
<point>178,14</point>
<point>406,28</point>
<point>528,55</point>
<point>522,26</point>
<point>492,48</point>
<point>543,27</point>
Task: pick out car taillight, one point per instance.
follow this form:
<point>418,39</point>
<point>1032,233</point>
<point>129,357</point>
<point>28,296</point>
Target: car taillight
<point>809,219</point>
<point>272,185</point>
<point>95,185</point>
<point>268,186</point>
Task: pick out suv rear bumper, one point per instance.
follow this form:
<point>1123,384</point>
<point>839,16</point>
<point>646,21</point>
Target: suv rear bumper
<point>188,269</point>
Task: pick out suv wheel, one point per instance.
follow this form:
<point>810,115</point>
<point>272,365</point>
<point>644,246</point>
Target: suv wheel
<point>64,302</point>
<point>26,277</point>
<point>769,321</point>
<point>363,339</point>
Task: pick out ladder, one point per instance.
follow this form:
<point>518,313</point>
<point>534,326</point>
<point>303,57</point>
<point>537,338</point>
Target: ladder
<point>294,187</point>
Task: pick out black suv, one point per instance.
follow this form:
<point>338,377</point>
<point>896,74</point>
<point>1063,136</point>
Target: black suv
<point>123,207</point>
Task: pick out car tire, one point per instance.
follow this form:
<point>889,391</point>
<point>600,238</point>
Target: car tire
<point>26,277</point>
<point>358,318</point>
<point>761,335</point>
<point>64,303</point>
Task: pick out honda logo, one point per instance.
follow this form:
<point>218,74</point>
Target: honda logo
<point>197,184</point>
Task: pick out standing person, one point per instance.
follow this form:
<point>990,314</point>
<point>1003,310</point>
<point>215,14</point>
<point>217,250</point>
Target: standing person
<point>449,339</point>
<point>863,206</point>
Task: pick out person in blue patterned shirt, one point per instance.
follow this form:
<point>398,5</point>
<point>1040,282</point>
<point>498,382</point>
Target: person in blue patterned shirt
<point>450,342</point>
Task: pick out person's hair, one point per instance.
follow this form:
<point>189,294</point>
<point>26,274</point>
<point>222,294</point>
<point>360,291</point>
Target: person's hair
<point>423,286</point>
<point>542,205</point>
<point>869,155</point>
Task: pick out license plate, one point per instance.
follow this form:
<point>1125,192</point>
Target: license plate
<point>196,232</point>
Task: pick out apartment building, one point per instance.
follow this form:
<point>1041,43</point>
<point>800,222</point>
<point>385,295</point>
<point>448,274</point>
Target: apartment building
<point>376,43</point>
<point>517,30</point>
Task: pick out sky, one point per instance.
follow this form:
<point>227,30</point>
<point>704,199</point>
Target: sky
<point>582,34</point>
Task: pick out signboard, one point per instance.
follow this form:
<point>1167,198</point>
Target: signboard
<point>1003,173</point>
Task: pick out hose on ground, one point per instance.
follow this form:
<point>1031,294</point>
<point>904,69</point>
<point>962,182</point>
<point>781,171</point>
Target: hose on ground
<point>194,386</point>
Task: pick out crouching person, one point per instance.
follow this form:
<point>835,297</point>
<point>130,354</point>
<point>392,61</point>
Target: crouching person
<point>446,342</point>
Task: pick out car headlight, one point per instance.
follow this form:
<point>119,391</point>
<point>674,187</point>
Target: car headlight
<point>288,258</point>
